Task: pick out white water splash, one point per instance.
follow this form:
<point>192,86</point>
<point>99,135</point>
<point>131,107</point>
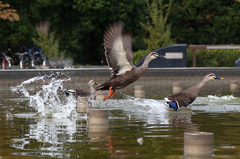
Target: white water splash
<point>49,102</point>
<point>141,108</point>
<point>223,104</point>
<point>132,104</point>
<point>227,97</point>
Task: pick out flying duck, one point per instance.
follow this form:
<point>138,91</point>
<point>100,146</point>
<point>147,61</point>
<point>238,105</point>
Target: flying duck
<point>185,98</point>
<point>118,52</point>
<point>83,92</point>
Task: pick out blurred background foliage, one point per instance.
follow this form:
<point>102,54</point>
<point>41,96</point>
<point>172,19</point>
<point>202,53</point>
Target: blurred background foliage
<point>79,25</point>
<point>157,29</point>
<point>213,58</point>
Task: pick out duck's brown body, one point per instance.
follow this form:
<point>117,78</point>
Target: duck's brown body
<point>83,92</point>
<point>185,98</point>
<point>121,81</point>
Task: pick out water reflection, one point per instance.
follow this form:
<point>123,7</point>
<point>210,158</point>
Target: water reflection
<point>98,133</point>
<point>131,121</point>
<point>98,125</point>
<point>52,137</point>
<point>49,136</point>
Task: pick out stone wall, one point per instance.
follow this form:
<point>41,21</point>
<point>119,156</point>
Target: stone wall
<point>157,81</point>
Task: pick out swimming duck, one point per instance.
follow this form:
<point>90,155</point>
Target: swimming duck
<point>185,98</point>
<point>118,52</point>
<point>83,92</point>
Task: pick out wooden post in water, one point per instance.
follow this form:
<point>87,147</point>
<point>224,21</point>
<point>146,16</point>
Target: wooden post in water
<point>98,117</point>
<point>100,95</point>
<point>198,143</point>
<point>139,92</point>
<point>83,104</point>
<point>176,87</point>
<point>234,86</point>
<point>98,125</point>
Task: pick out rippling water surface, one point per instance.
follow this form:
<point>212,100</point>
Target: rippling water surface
<point>42,122</point>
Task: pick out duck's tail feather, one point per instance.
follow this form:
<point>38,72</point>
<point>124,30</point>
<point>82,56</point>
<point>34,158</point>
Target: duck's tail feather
<point>68,92</point>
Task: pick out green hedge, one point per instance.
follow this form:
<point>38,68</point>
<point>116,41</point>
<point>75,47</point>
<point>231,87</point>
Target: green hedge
<point>213,58</point>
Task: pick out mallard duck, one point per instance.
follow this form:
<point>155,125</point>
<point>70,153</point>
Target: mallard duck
<point>83,92</point>
<point>118,52</point>
<point>185,98</point>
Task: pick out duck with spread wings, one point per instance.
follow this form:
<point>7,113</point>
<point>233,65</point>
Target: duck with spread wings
<point>118,52</point>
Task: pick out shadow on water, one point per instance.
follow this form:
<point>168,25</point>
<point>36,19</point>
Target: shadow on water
<point>42,122</point>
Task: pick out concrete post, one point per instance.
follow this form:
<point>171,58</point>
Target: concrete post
<point>198,143</point>
<point>234,86</point>
<point>98,125</point>
<point>83,105</point>
<point>139,92</point>
<point>100,95</point>
<point>176,87</point>
<point>98,117</point>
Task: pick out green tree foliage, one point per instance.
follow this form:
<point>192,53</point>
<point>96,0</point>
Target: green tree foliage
<point>48,44</point>
<point>17,33</point>
<point>79,25</point>
<point>6,13</point>
<point>213,58</point>
<point>95,16</point>
<point>157,28</point>
<point>159,32</point>
<point>206,22</point>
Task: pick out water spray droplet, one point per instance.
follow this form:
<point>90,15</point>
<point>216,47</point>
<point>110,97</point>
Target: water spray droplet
<point>49,101</point>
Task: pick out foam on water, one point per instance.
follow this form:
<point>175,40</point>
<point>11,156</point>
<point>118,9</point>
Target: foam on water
<point>227,103</point>
<point>132,104</point>
<point>227,97</point>
<point>141,108</point>
<point>49,102</point>
<point>147,108</point>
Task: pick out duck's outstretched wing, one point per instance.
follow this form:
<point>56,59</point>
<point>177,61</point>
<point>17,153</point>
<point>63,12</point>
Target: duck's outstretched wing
<point>118,49</point>
<point>127,44</point>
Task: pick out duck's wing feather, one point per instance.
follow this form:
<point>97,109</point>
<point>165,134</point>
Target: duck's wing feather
<point>117,49</point>
<point>82,92</point>
<point>127,44</point>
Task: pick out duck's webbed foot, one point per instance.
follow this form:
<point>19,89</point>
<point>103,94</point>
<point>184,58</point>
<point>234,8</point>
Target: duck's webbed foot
<point>110,94</point>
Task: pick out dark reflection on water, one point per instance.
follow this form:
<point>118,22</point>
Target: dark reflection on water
<point>138,128</point>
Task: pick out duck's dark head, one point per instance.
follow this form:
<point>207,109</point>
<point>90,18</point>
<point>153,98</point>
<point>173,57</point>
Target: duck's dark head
<point>91,82</point>
<point>212,76</point>
<point>154,55</point>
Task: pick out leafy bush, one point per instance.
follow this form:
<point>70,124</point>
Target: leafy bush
<point>49,45</point>
<point>137,56</point>
<point>213,58</point>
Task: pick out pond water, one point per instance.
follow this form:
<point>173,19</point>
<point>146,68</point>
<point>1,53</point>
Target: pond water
<point>43,123</point>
